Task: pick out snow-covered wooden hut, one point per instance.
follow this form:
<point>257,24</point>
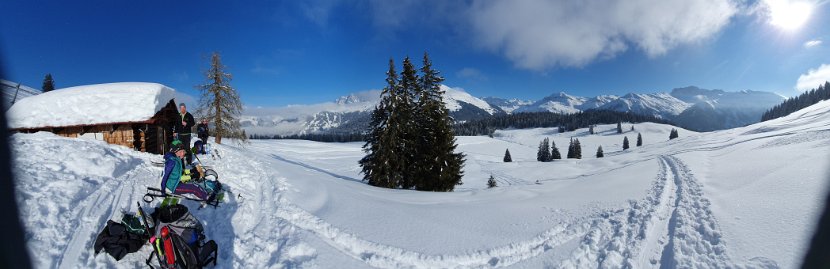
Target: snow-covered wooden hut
<point>132,114</point>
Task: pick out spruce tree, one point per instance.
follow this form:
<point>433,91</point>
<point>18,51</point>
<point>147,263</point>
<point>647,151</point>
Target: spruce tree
<point>673,134</point>
<point>220,102</point>
<point>507,157</point>
<point>444,163</point>
<point>572,149</point>
<point>414,146</point>
<point>544,154</point>
<point>619,127</point>
<point>599,152</point>
<point>625,143</point>
<point>577,149</point>
<point>491,183</point>
<point>376,165</point>
<point>548,154</point>
<point>639,139</point>
<point>591,129</point>
<point>48,83</point>
<point>554,152</point>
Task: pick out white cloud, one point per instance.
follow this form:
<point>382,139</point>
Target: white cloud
<point>812,43</point>
<point>539,34</point>
<point>471,74</point>
<point>813,78</point>
<point>318,11</point>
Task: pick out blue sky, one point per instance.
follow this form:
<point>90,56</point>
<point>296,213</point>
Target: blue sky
<point>304,52</point>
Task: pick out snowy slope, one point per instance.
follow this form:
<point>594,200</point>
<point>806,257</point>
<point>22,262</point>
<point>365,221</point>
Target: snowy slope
<point>453,97</point>
<point>717,109</point>
<point>740,198</point>
<point>91,104</point>
<point>10,92</point>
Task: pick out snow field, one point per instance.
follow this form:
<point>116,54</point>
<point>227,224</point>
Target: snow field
<point>741,198</point>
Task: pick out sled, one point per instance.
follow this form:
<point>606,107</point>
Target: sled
<point>174,198</point>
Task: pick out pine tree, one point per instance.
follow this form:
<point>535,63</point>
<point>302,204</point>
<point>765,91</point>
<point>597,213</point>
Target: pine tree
<point>619,127</point>
<point>574,149</point>
<point>507,157</point>
<point>639,139</point>
<point>491,183</point>
<point>570,154</point>
<point>48,83</point>
<point>554,152</point>
<point>625,143</point>
<point>443,162</point>
<point>599,152</point>
<point>220,102</point>
<point>544,154</point>
<point>414,146</point>
<point>377,165</point>
<point>673,134</point>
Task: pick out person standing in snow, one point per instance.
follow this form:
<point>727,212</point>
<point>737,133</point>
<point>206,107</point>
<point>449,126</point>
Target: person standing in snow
<point>182,128</point>
<point>174,179</point>
<point>202,133</point>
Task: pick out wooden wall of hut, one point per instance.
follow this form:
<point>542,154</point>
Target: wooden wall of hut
<point>152,136</point>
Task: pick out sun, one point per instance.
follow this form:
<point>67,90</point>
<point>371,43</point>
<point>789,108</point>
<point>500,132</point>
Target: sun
<point>789,15</point>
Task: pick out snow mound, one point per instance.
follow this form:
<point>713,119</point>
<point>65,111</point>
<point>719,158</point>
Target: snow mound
<point>91,104</point>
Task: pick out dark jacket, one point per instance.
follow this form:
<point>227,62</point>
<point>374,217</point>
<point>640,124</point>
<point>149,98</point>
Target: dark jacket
<point>183,129</point>
<point>202,131</point>
<point>116,241</point>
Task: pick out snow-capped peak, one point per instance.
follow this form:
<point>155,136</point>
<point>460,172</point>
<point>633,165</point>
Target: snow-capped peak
<point>452,97</point>
<point>349,99</point>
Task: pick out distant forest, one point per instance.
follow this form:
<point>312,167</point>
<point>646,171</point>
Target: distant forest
<point>791,105</point>
<point>323,137</point>
<point>565,122</point>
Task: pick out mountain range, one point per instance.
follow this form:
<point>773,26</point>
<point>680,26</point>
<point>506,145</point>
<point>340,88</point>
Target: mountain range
<point>689,107</point>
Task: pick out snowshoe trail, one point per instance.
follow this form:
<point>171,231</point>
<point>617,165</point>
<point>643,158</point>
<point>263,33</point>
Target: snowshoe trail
<point>693,233</point>
<point>672,227</point>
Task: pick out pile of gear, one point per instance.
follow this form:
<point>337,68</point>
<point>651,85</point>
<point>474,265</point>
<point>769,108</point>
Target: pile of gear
<point>176,236</point>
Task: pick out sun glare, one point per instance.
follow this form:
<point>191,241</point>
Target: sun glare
<point>789,15</point>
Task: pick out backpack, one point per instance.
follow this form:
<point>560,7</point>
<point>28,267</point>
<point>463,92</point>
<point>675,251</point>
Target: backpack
<point>178,239</point>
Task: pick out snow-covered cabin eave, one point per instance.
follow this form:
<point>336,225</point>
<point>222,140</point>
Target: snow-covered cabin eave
<point>131,114</point>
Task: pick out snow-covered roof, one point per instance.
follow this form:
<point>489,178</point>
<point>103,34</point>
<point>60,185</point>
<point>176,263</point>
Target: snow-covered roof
<point>91,104</point>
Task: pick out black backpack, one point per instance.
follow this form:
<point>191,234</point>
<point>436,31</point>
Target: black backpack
<point>178,239</point>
